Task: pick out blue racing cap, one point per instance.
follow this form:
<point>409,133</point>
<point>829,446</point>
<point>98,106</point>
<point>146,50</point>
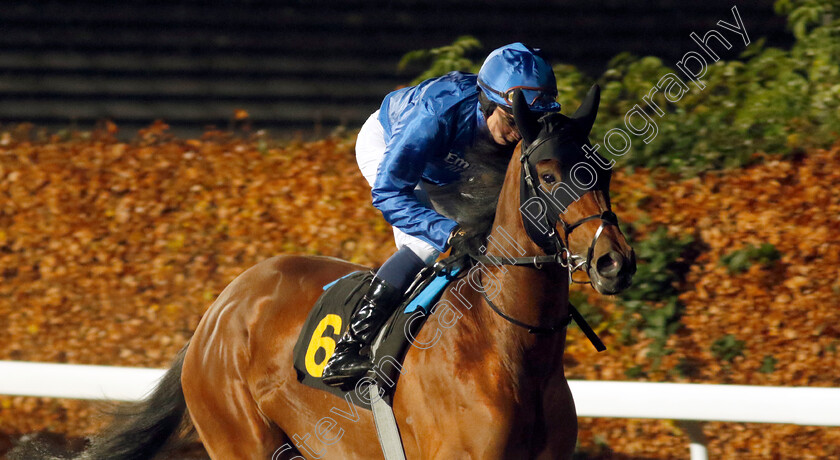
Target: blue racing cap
<point>518,66</point>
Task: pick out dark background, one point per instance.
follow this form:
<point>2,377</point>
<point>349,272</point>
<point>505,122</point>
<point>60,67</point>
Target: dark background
<point>299,66</point>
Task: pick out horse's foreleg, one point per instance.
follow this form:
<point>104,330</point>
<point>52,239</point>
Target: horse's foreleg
<point>560,420</point>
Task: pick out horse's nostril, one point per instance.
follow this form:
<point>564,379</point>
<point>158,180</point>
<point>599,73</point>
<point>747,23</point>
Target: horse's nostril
<point>609,264</point>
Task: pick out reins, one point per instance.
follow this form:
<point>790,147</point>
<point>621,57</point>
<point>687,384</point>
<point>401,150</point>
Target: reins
<point>537,261</point>
<point>532,329</point>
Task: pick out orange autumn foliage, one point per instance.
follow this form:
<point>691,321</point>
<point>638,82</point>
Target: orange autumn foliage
<point>110,252</point>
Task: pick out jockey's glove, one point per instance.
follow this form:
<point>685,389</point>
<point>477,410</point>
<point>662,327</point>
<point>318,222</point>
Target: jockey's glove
<point>462,242</point>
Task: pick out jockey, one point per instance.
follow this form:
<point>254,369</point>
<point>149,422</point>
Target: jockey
<point>423,132</point>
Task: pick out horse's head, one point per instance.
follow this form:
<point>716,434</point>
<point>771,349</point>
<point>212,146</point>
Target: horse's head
<point>565,196</point>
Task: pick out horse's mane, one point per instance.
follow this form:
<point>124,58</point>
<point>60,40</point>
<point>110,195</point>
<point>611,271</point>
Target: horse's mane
<point>472,200</point>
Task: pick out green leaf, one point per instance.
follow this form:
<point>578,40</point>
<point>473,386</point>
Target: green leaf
<point>768,364</point>
<point>442,60</point>
<point>727,348</point>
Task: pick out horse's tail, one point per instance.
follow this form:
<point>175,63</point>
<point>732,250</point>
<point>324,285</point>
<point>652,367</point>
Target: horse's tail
<point>140,430</point>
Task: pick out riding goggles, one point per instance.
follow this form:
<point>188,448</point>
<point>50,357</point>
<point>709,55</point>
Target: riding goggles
<point>539,99</point>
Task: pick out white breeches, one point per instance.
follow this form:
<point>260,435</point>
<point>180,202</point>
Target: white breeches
<point>370,150</point>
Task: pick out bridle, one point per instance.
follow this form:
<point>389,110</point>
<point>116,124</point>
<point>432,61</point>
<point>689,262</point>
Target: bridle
<point>543,233</point>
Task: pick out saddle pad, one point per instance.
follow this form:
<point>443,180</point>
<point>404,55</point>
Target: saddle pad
<point>329,319</point>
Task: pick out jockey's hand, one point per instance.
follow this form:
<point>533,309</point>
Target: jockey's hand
<point>462,242</point>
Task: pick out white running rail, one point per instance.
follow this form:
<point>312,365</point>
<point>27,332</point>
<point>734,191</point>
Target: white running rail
<point>689,403</point>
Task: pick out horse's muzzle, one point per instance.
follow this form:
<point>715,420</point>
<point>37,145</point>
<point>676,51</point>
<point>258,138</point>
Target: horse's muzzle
<point>612,272</point>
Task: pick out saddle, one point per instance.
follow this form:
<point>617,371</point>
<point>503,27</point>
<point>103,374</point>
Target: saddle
<point>330,317</point>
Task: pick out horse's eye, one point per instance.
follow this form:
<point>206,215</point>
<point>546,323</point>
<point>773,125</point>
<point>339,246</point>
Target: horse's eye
<point>548,178</point>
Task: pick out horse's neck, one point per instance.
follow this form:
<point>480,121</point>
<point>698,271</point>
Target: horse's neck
<point>536,297</point>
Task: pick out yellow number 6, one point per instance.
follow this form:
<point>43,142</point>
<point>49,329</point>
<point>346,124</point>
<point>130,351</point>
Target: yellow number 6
<point>318,341</point>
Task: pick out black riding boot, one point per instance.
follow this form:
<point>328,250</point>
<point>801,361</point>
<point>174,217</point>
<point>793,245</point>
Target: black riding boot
<point>347,363</point>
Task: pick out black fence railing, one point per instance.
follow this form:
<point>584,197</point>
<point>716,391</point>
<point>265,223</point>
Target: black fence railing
<point>296,66</point>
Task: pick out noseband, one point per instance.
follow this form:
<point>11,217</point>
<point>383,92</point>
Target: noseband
<point>574,261</point>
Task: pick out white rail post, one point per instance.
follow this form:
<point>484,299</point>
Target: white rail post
<point>694,430</point>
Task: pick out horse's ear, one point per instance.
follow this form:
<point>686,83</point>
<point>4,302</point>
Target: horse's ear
<point>526,121</point>
<point>588,110</point>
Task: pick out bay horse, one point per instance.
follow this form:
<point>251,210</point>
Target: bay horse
<point>487,389</point>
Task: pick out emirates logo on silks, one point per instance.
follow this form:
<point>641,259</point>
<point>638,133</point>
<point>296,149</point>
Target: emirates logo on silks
<point>455,163</point>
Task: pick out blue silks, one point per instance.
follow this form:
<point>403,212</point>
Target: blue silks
<point>428,129</point>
